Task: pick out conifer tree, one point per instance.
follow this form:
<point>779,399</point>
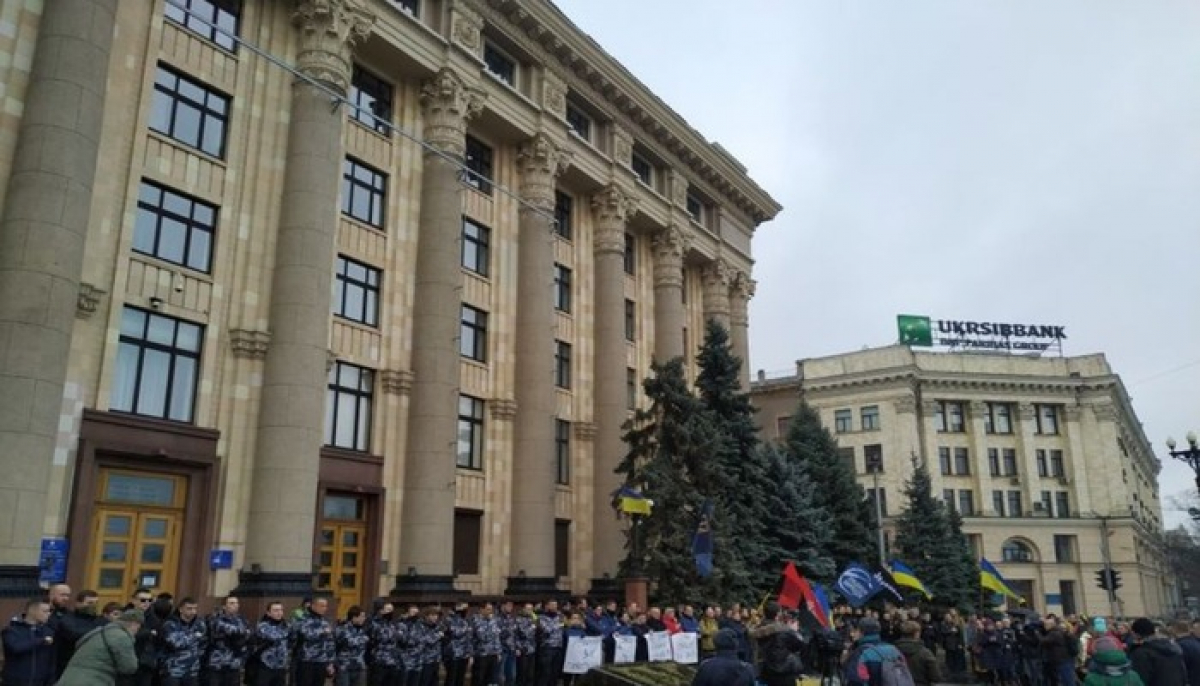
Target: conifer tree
<point>929,539</point>
<point>838,493</point>
<point>796,529</point>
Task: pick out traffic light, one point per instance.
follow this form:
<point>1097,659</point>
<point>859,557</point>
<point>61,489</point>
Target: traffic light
<point>1114,579</point>
<point>1108,579</point>
<point>1102,579</point>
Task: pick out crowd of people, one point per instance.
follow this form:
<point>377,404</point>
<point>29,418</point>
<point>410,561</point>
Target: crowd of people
<point>156,640</point>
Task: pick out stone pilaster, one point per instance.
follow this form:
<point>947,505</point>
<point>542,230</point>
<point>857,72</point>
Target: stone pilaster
<point>428,517</point>
<point>539,161</point>
<point>282,513</point>
<point>43,226</point>
<point>716,278</point>
<point>611,209</point>
<point>670,246</point>
<point>741,289</point>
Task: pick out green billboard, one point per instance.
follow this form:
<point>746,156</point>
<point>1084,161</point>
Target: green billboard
<point>915,329</point>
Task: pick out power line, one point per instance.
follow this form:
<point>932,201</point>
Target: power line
<point>1168,372</point>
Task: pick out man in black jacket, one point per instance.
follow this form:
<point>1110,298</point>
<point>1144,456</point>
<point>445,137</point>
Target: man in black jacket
<point>724,669</point>
<point>1188,639</point>
<point>1157,659</point>
<point>779,647</point>
<point>72,626</point>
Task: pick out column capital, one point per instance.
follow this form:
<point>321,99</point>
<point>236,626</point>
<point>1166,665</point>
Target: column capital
<point>249,344</point>
<point>539,161</point>
<point>716,279</point>
<point>670,245</point>
<point>741,289</point>
<point>396,381</point>
<point>447,103</point>
<point>329,29</point>
<point>612,207</point>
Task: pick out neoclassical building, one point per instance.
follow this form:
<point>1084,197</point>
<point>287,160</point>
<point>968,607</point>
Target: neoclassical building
<point>344,295</point>
<point>1043,457</point>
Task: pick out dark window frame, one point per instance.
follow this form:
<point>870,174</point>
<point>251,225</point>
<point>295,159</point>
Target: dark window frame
<point>946,460</point>
<point>562,452</point>
<point>998,418</point>
<point>161,212</point>
<point>478,160</point>
<point>630,257</point>
<point>1062,504</point>
<point>998,502</point>
<point>143,343</point>
<point>966,503</point>
<point>563,283</point>
<point>872,452</point>
<point>630,320</point>
<point>410,7</point>
<point>1016,505</point>
<point>695,208</point>
<point>501,64</point>
<point>562,548</point>
<point>473,333</point>
<point>993,461</point>
<point>1064,548</point>
<point>962,461</point>
<point>642,168</point>
<point>467,542</point>
<point>363,396</point>
<point>374,186</point>
<point>170,86</point>
<point>1016,551</point>
<point>874,423</point>
<point>344,283</point>
<point>843,420</point>
<point>476,247</point>
<point>371,95</point>
<point>631,388</point>
<point>198,16</point>
<point>1047,419</point>
<point>562,365</point>
<point>470,421</point>
<point>564,211</point>
<point>1043,466</point>
<point>1058,467</point>
<point>579,121</point>
<point>1008,462</point>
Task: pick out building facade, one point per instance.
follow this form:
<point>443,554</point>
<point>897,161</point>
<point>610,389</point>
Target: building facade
<point>351,295</point>
<point>1044,458</point>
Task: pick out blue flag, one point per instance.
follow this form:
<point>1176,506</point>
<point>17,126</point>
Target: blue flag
<point>702,542</point>
<point>857,584</point>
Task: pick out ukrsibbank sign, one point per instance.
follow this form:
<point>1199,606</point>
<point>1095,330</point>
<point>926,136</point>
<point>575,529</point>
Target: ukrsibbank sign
<point>925,331</point>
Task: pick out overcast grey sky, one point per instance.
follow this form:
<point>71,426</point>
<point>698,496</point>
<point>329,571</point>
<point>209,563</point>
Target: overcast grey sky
<point>1000,160</point>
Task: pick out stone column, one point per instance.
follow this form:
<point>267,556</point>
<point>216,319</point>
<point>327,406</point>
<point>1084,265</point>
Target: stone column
<point>741,289</point>
<point>539,161</point>
<point>611,209</point>
<point>427,528</point>
<point>42,233</point>
<point>670,245</point>
<point>716,279</point>
<point>282,513</point>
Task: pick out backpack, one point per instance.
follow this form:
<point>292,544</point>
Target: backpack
<point>894,671</point>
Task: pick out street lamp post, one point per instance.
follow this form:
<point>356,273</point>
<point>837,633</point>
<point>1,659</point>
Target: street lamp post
<point>1190,456</point>
<point>875,465</point>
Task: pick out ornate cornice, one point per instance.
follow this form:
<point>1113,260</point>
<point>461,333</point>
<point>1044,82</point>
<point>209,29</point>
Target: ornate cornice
<point>612,207</point>
<point>670,245</point>
<point>448,103</point>
<point>585,431</point>
<point>329,29</point>
<point>88,300</point>
<point>503,409</point>
<point>249,344</point>
<point>396,381</point>
<point>540,161</point>
<point>465,27</point>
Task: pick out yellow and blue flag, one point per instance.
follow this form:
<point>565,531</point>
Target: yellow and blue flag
<point>991,579</point>
<point>905,576</point>
<point>631,502</point>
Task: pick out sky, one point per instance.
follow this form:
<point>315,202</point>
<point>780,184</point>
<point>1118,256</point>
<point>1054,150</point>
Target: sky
<point>988,160</point>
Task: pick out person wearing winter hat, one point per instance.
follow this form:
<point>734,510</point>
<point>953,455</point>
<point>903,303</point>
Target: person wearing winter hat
<point>1110,666</point>
<point>1157,659</point>
<point>724,669</point>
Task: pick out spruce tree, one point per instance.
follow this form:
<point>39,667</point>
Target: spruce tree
<point>929,539</point>
<point>796,529</point>
<point>838,492</point>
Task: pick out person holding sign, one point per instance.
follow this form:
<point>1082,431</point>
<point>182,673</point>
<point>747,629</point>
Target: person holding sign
<point>724,669</point>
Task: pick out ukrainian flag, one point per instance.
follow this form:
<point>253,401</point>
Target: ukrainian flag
<point>904,575</point>
<point>631,502</point>
<point>990,578</point>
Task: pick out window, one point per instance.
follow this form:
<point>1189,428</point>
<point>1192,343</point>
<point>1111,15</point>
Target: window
<point>962,461</point>
<point>873,458</point>
<point>174,227</point>
<point>562,364</point>
<point>949,417</point>
<point>998,503</point>
<point>881,494</point>
<point>562,452</point>
<point>1010,461</point>
<point>468,527</point>
<point>630,320</point>
<point>642,168</point>
<point>695,208</point>
<point>1016,551</point>
<point>966,503</point>
<point>843,421</point>
<point>1056,463</point>
<point>631,388</point>
<point>781,426</point>
<point>1064,548</point>
<point>630,254</point>
<point>371,95</point>
<point>994,461</point>
<point>579,121</point>
<point>847,455</point>
<point>1066,589</point>
<point>1047,502</point>
<point>470,432</point>
<point>199,16</point>
<point>1042,467</point>
<point>409,7</point>
<point>476,247</point>
<point>473,334</point>
<point>562,548</point>
<point>348,407</point>
<point>562,288</point>
<point>158,362</point>
<point>364,192</point>
<point>870,418</point>
<point>564,207</point>
<point>479,164</point>
<point>944,461</point>
<point>1062,504</point>
<point>948,497</point>
<point>356,292</point>
<point>189,112</point>
<point>1047,419</point>
<point>998,419</point>
<point>500,64</point>
<point>1015,506</point>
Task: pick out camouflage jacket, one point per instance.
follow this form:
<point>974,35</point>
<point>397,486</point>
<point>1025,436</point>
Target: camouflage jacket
<point>487,636</point>
<point>427,639</point>
<point>524,635</point>
<point>315,639</point>
<point>273,643</point>
<point>459,644</point>
<point>184,645</point>
<point>386,640</point>
<point>228,639</point>
<point>550,631</point>
<point>352,643</point>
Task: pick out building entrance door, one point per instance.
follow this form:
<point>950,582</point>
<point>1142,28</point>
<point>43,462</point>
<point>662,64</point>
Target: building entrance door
<point>136,531</point>
<point>342,546</point>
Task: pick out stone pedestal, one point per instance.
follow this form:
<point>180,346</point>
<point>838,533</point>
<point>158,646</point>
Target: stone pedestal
<point>42,234</point>
<point>670,245</point>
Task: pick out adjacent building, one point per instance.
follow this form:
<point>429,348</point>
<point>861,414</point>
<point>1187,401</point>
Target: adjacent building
<point>350,295</point>
<point>1043,457</point>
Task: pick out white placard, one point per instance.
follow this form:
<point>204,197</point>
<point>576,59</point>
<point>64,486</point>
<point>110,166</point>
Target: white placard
<point>658,646</point>
<point>685,647</point>
<point>626,649</point>
<point>583,653</point>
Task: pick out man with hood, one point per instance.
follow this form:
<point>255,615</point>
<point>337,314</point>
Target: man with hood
<point>1109,665</point>
<point>29,648</point>
<point>724,668</point>
<point>865,665</point>
<point>779,647</point>
<point>921,660</point>
<point>1157,659</point>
